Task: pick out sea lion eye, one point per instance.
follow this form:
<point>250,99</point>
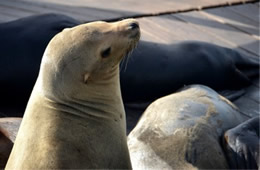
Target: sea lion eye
<point>106,52</point>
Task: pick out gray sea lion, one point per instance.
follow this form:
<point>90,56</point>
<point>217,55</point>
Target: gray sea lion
<point>241,145</point>
<point>22,45</point>
<point>75,117</point>
<point>183,130</point>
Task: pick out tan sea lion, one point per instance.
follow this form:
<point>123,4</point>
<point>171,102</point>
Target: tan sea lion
<point>183,131</point>
<point>75,116</point>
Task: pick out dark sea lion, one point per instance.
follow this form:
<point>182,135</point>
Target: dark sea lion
<point>182,131</point>
<point>155,70</point>
<point>22,44</point>
<point>242,145</point>
<point>75,116</point>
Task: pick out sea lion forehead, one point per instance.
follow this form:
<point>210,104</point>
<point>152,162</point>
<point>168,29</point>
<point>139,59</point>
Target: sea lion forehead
<point>102,27</point>
<point>97,27</point>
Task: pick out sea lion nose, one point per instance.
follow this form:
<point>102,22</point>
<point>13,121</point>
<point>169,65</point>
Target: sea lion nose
<point>133,25</point>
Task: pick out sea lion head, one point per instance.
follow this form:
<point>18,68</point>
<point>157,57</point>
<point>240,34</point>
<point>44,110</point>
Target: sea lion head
<point>87,54</point>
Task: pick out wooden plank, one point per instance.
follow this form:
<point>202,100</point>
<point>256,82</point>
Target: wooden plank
<point>168,29</point>
<point>89,10</point>
<point>5,17</point>
<point>139,7</point>
<point>227,16</point>
<point>222,31</point>
<point>14,12</point>
<point>248,10</point>
<point>150,32</point>
<point>33,8</point>
<point>85,13</point>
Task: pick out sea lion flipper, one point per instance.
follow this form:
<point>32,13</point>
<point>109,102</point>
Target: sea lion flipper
<point>232,94</point>
<point>248,65</point>
<point>241,145</point>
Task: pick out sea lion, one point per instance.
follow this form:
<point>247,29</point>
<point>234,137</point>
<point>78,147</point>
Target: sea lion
<point>22,44</point>
<point>75,116</point>
<point>182,131</point>
<point>155,70</point>
<point>241,145</point>
<point>8,131</point>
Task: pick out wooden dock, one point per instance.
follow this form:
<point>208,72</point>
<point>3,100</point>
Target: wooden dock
<point>230,23</point>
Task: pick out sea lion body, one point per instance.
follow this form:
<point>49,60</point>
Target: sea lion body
<point>182,131</point>
<point>241,145</point>
<point>75,116</point>
<point>155,70</point>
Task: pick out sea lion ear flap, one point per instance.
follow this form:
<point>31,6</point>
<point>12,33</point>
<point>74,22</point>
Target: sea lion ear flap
<point>85,78</point>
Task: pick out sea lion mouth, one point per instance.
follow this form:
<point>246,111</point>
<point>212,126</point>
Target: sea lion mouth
<point>137,34</point>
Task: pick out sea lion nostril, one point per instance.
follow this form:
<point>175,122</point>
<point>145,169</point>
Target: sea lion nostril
<point>134,25</point>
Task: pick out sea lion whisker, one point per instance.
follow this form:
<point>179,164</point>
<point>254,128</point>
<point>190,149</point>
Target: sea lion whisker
<point>122,63</point>
<point>129,54</point>
<point>127,59</point>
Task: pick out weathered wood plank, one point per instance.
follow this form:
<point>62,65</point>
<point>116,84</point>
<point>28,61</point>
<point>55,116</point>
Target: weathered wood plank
<point>15,13</point>
<point>84,12</point>
<point>6,18</point>
<point>227,16</point>
<point>130,7</point>
<point>34,8</point>
<point>89,10</point>
<point>152,32</point>
<point>248,10</point>
<point>170,30</point>
<point>222,31</point>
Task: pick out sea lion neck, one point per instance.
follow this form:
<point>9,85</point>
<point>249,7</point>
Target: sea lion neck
<point>100,98</point>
